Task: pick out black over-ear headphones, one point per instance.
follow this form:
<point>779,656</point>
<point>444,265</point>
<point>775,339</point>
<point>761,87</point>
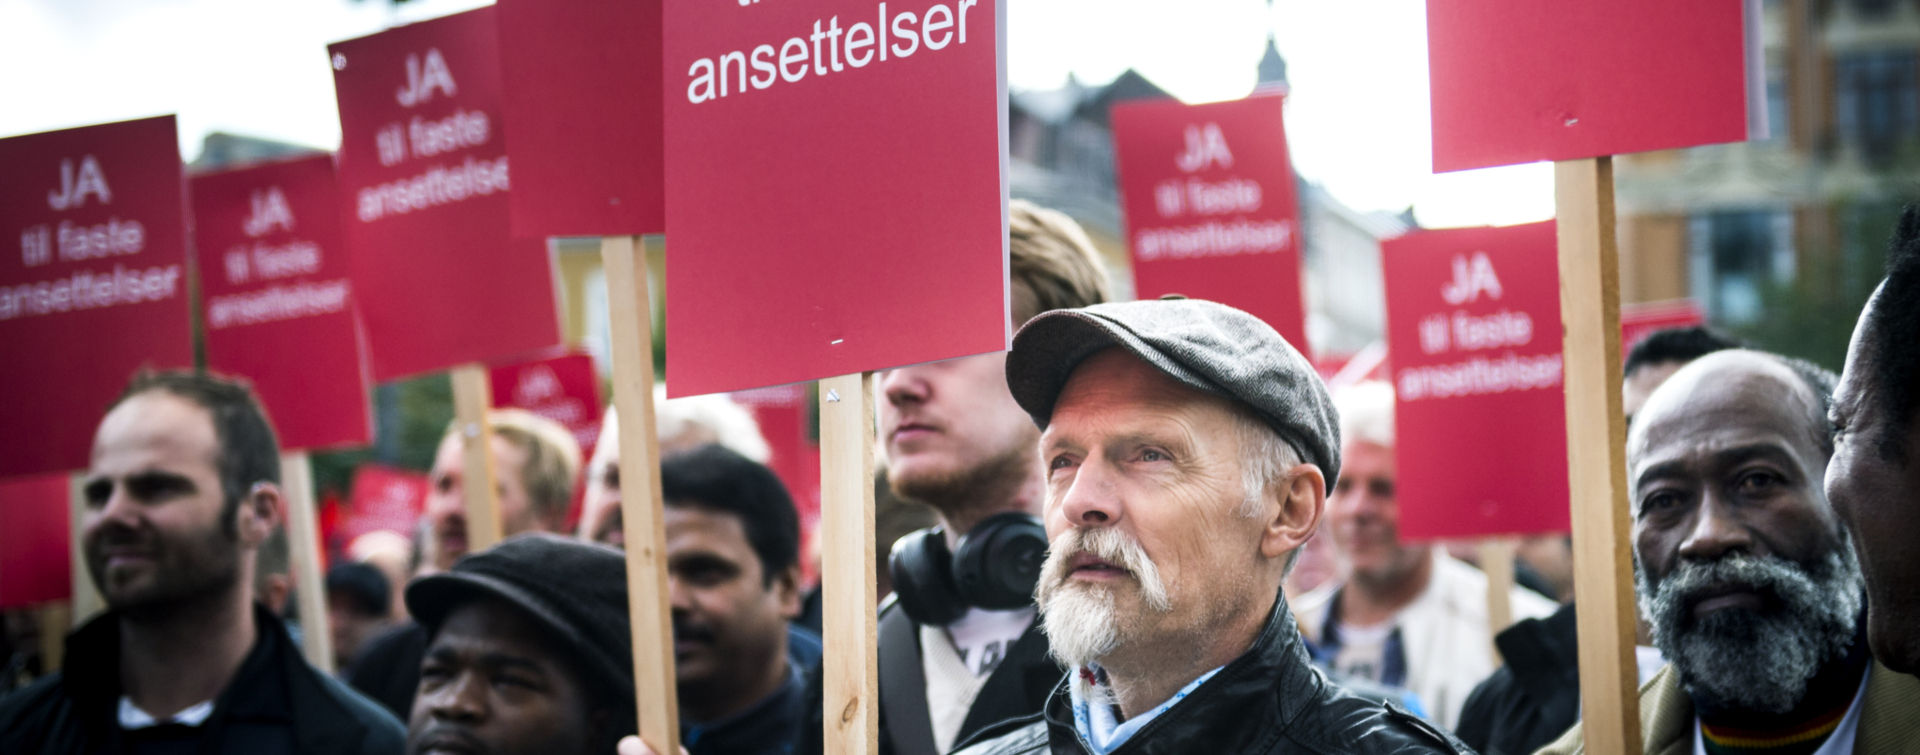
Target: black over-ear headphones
<point>995,567</point>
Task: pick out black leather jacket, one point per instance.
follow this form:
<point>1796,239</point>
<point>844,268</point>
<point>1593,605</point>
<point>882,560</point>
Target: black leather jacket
<point>1269,701</point>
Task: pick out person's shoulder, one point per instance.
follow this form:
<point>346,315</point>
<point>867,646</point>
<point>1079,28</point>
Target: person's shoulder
<point>1019,736</point>
<point>1346,724</point>
<point>28,714</point>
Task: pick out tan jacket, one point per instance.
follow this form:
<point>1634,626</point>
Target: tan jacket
<point>1889,719</point>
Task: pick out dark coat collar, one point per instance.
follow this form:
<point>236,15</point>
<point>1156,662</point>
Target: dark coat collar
<point>1271,682</point>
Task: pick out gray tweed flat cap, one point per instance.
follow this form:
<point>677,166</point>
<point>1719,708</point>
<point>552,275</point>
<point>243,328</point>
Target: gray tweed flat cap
<point>1208,346</point>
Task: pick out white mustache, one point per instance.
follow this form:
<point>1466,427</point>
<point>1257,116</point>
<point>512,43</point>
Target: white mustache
<point>1107,544</point>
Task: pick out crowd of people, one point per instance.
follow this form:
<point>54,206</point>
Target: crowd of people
<point>1155,530</point>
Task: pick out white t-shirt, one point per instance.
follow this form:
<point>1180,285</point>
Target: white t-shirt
<point>1840,742</point>
<point>1363,650</point>
<point>958,658</point>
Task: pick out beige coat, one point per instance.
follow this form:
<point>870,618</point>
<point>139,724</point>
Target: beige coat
<point>1889,718</point>
<point>1444,633</point>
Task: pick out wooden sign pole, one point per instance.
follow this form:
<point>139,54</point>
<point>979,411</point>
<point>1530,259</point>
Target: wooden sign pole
<point>643,521</point>
<point>56,619</point>
<point>1596,455</point>
<point>472,395</point>
<point>851,663</point>
<point>86,598</point>
<point>303,539</point>
<point>1496,560</point>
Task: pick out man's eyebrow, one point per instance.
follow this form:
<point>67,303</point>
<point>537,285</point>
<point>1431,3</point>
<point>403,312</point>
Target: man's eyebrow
<point>495,659</point>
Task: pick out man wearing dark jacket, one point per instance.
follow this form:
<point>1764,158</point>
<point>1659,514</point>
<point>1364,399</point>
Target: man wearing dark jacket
<point>183,489</point>
<point>1188,450</point>
<point>955,660</point>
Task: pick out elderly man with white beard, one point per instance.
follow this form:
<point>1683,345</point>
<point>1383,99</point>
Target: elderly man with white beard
<point>1187,450</point>
<point>1747,576</point>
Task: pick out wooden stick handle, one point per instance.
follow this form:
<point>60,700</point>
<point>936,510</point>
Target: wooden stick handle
<point>1596,455</point>
<point>852,661</point>
<point>303,541</point>
<point>472,395</point>
<point>643,521</point>
<point>1496,560</point>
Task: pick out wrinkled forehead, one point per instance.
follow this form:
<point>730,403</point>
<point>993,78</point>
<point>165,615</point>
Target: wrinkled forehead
<point>1114,385</point>
<point>1727,400</point>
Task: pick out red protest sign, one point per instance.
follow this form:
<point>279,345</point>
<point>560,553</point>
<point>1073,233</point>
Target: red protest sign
<point>781,413</point>
<point>1637,321</point>
<point>582,110</point>
<point>1518,81</point>
<point>383,498</point>
<point>277,303</point>
<point>1473,322</point>
<point>99,286</point>
<point>835,188</point>
<point>36,565</point>
<point>564,389</point>
<point>1211,207</point>
<point>424,178</point>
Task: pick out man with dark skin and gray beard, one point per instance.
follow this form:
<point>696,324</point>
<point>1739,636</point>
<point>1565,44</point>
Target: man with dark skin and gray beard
<point>1747,576</point>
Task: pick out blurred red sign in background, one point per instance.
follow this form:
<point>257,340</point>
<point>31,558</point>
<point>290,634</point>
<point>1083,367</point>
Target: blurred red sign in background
<point>582,113</point>
<point>1637,321</point>
<point>99,288</point>
<point>277,303</point>
<point>562,388</point>
<point>1211,208</point>
<point>1473,323</point>
<point>36,563</point>
<point>838,207</point>
<point>423,181</point>
<point>383,498</point>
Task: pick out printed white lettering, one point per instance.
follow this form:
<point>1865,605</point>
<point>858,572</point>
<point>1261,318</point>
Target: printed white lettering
<point>269,210</point>
<point>422,80</point>
<point>928,26</point>
<point>463,129</point>
<point>114,238</point>
<point>1470,279</point>
<point>1214,239</point>
<point>86,289</point>
<point>36,246</point>
<point>1205,146</point>
<point>276,303</point>
<point>437,186</point>
<point>73,191</point>
<point>859,37</point>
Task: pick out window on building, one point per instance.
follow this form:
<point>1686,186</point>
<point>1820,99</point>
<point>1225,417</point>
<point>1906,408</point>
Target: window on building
<point>1734,256</point>
<point>1873,8</point>
<point>1878,96</point>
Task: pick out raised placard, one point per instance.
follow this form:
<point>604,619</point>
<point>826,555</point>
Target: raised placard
<point>1210,205</point>
<point>277,303</point>
<point>836,188</point>
<point>563,388</point>
<point>1518,81</point>
<point>424,179</point>
<point>582,110</point>
<point>98,286</point>
<point>1473,324</point>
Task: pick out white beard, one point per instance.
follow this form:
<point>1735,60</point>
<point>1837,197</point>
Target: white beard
<point>1081,620</point>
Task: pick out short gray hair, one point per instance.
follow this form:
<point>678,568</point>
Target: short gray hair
<point>1265,458</point>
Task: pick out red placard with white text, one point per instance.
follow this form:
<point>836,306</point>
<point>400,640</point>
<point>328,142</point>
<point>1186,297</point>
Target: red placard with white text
<point>836,188</point>
<point>383,498</point>
<point>1518,81</point>
<point>564,389</point>
<point>423,179</point>
<point>582,111</point>
<point>1211,207</point>
<point>277,303</point>
<point>98,287</point>
<point>1473,322</point>
<point>36,563</point>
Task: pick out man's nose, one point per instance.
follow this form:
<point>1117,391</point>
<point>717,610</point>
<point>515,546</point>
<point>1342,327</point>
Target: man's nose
<point>464,699</point>
<point>1092,499</point>
<point>904,386</point>
<point>1716,532</point>
<point>678,596</point>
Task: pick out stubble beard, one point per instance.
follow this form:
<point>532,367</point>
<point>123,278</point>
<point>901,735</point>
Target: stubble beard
<point>979,488</point>
<point>1760,661</point>
<point>192,569</point>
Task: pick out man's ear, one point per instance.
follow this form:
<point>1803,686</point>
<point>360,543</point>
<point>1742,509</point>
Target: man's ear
<point>786,589</point>
<point>1303,497</point>
<point>261,509</point>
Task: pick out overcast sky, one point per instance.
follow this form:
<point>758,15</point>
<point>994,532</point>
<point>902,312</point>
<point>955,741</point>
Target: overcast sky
<point>1357,119</point>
